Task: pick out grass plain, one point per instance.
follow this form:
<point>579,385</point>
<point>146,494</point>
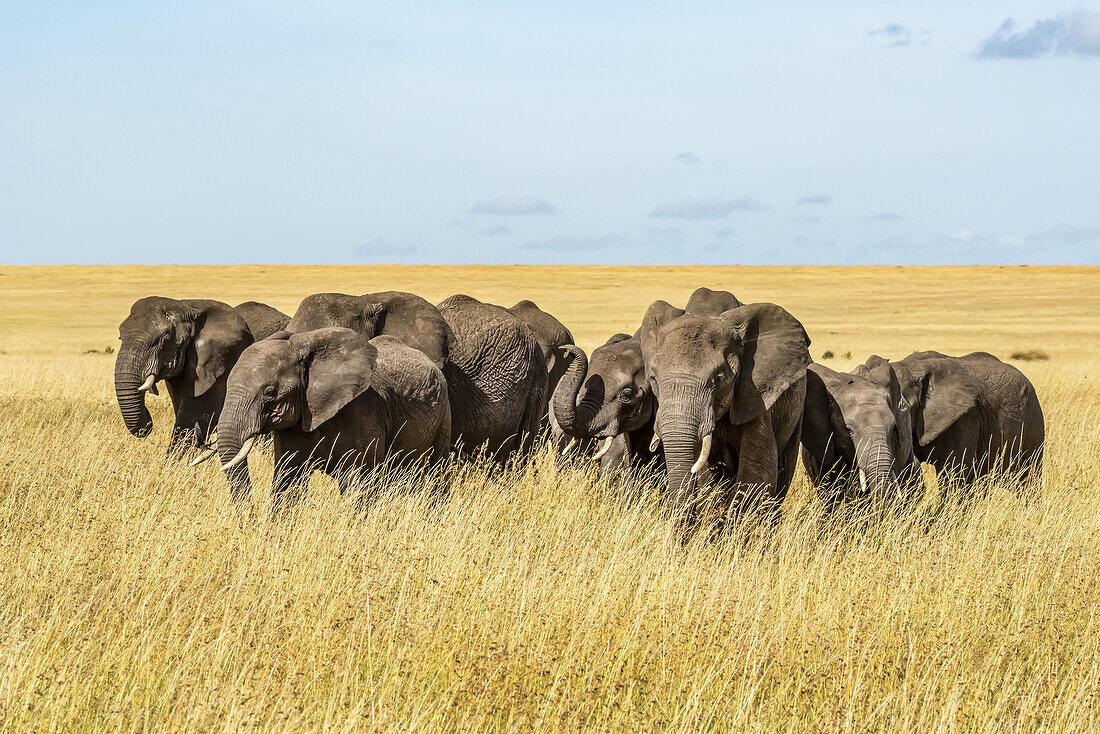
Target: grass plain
<point>132,598</point>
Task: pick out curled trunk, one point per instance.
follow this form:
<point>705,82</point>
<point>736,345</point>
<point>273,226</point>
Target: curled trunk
<point>129,376</point>
<point>575,420</point>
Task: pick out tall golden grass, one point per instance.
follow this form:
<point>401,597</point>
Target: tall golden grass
<point>133,597</point>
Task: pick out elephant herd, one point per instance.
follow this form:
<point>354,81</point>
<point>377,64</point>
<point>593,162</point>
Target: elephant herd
<point>718,395</point>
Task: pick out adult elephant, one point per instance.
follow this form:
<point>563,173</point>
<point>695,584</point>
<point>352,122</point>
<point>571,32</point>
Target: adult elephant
<point>497,378</point>
<point>857,425</point>
<point>730,391</point>
<point>405,316</point>
<point>972,415</point>
<point>336,402</point>
<point>609,398</point>
<point>553,338</point>
<point>191,345</point>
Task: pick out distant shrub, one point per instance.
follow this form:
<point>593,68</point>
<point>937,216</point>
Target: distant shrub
<point>1030,355</point>
<point>828,354</point>
<point>847,355</point>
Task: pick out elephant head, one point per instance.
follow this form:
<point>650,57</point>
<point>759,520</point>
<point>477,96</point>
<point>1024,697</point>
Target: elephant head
<point>190,344</point>
<point>607,395</point>
<point>553,337</point>
<point>707,370</point>
<point>405,316</point>
<point>286,381</point>
<point>859,422</point>
<point>939,389</point>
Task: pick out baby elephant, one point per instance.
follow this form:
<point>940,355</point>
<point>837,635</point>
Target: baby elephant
<point>858,425</point>
<point>336,402</point>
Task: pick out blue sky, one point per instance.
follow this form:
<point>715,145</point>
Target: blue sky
<point>586,132</point>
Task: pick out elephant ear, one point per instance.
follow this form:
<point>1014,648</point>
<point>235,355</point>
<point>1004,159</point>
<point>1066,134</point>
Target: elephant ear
<point>946,394</point>
<point>658,314</point>
<point>775,352</point>
<point>816,426</point>
<point>339,364</point>
<point>220,335</point>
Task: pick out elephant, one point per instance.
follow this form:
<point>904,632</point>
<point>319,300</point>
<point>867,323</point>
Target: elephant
<point>262,320</point>
<point>497,376</point>
<point>608,399</point>
<point>334,401</point>
<point>553,338</point>
<point>858,424</point>
<point>406,316</point>
<point>191,345</point>
<point>972,415</point>
<point>730,390</point>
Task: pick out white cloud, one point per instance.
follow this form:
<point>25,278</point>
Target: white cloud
<point>706,208</point>
<point>686,157</point>
<point>513,206</point>
<point>1072,34</point>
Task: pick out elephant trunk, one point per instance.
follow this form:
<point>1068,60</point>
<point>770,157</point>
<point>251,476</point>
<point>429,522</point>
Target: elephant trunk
<point>875,463</point>
<point>129,379</point>
<point>237,430</point>
<point>685,423</point>
<point>574,420</point>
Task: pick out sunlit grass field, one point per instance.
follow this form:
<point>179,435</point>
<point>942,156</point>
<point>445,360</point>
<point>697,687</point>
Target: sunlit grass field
<point>133,597</point>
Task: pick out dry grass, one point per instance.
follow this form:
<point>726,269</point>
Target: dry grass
<point>131,597</point>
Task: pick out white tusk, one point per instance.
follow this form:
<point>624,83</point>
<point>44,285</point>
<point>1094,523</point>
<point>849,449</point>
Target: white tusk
<point>654,443</point>
<point>704,454</point>
<point>241,455</point>
<point>569,446</point>
<point>603,449</point>
<point>206,454</point>
<point>862,482</point>
<point>150,381</point>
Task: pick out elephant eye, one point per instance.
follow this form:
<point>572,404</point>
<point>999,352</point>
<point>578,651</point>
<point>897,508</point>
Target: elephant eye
<point>627,392</point>
<point>269,391</point>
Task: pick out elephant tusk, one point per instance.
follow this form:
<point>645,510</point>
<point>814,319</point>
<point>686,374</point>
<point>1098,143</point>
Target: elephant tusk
<point>149,384</point>
<point>862,481</point>
<point>654,443</point>
<point>241,455</point>
<point>569,446</point>
<point>704,454</point>
<point>206,454</point>
<point>603,449</point>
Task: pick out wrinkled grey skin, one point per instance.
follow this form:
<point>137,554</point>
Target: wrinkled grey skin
<point>553,338</point>
<point>551,335</point>
<point>335,402</point>
<point>262,320</point>
<point>406,316</point>
<point>739,377</point>
<point>497,378</point>
<point>972,415</point>
<point>191,345</point>
<point>858,422</point>
<point>608,396</point>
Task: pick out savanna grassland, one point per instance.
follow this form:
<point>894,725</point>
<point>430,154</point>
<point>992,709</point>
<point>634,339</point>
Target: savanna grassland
<point>133,597</point>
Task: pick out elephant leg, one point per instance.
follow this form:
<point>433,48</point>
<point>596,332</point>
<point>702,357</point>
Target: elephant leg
<point>191,412</point>
<point>757,466</point>
<point>295,460</point>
